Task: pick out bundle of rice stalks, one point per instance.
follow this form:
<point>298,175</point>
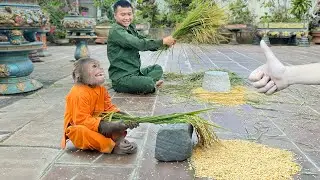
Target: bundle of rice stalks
<point>204,129</point>
<point>202,24</point>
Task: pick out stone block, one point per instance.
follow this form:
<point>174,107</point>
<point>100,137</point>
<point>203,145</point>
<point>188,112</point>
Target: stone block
<point>174,142</point>
<point>216,81</point>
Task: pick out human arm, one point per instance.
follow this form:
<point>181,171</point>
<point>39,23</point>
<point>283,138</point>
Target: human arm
<point>274,76</point>
<point>126,40</point>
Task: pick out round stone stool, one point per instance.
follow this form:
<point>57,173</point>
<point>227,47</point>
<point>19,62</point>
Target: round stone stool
<point>216,81</point>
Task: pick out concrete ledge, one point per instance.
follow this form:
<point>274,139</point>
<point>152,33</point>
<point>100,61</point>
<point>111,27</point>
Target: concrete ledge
<point>174,142</point>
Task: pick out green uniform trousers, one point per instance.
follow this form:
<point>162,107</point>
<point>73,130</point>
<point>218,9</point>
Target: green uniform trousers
<point>142,83</point>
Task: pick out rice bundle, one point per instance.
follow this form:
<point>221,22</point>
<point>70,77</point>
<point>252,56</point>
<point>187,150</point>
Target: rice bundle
<point>202,24</point>
<point>203,128</point>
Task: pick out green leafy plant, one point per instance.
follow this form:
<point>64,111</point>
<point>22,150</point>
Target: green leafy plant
<point>300,8</point>
<point>240,13</point>
<point>55,9</point>
<point>106,6</point>
<point>178,10</point>
<point>278,12</point>
<point>147,12</point>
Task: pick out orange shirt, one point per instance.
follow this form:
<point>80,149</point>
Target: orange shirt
<point>82,102</point>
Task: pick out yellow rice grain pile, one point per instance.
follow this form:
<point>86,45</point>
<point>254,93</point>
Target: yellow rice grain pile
<point>244,160</point>
<point>237,96</point>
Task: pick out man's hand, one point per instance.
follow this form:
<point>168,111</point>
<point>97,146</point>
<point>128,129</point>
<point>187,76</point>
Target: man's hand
<point>123,146</point>
<point>169,41</point>
<point>107,128</point>
<point>271,76</point>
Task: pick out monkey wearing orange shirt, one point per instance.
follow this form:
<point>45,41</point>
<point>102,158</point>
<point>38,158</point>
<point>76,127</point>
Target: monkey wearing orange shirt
<point>87,98</point>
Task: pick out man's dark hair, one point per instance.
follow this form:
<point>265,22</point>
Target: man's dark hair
<point>121,3</point>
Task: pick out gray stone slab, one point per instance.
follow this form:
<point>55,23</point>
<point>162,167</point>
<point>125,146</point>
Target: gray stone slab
<point>12,122</point>
<point>168,105</point>
<point>22,163</point>
<point>47,133</point>
<point>174,142</point>
<point>144,104</point>
<point>4,135</point>
<point>62,172</point>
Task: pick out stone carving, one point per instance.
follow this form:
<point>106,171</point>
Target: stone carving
<point>78,22</point>
<point>14,17</point>
<point>15,37</point>
<point>4,72</point>
<point>19,22</point>
<point>80,29</point>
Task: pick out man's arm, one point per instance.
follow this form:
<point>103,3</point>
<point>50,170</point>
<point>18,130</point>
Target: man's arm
<point>127,40</point>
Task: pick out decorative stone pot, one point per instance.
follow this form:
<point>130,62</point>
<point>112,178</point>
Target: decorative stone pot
<point>80,29</point>
<point>102,33</point>
<point>61,41</point>
<point>315,37</point>
<point>19,20</point>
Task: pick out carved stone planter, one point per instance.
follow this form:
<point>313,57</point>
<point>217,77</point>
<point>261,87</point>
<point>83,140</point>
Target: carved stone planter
<point>315,37</point>
<point>19,22</point>
<point>102,33</point>
<point>80,29</point>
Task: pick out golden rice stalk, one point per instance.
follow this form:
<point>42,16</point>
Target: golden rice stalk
<point>202,24</point>
<point>203,128</point>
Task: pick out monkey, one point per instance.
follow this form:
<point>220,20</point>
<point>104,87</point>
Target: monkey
<point>87,98</point>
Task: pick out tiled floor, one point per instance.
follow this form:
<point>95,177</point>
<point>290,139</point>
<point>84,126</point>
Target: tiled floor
<point>31,126</point>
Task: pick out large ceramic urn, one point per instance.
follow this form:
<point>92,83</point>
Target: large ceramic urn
<point>19,22</point>
<point>81,29</point>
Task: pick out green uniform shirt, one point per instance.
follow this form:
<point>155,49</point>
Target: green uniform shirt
<point>123,50</point>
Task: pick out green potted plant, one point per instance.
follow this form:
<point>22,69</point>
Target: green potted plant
<point>104,22</point>
<point>57,31</point>
<point>60,37</point>
<point>314,26</point>
<point>240,19</point>
<point>240,13</point>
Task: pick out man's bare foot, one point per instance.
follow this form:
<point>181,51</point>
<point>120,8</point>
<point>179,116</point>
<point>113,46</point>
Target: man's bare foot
<point>159,83</point>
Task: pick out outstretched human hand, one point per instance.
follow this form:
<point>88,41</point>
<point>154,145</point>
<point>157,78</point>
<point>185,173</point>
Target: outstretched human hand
<point>270,77</point>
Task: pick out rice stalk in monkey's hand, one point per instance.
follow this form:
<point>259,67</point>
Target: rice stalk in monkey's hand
<point>203,128</point>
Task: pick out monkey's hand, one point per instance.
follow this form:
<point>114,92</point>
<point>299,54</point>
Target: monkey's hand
<point>107,128</point>
<point>132,124</point>
<point>123,146</point>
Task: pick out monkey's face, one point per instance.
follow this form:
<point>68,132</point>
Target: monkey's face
<point>93,74</point>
